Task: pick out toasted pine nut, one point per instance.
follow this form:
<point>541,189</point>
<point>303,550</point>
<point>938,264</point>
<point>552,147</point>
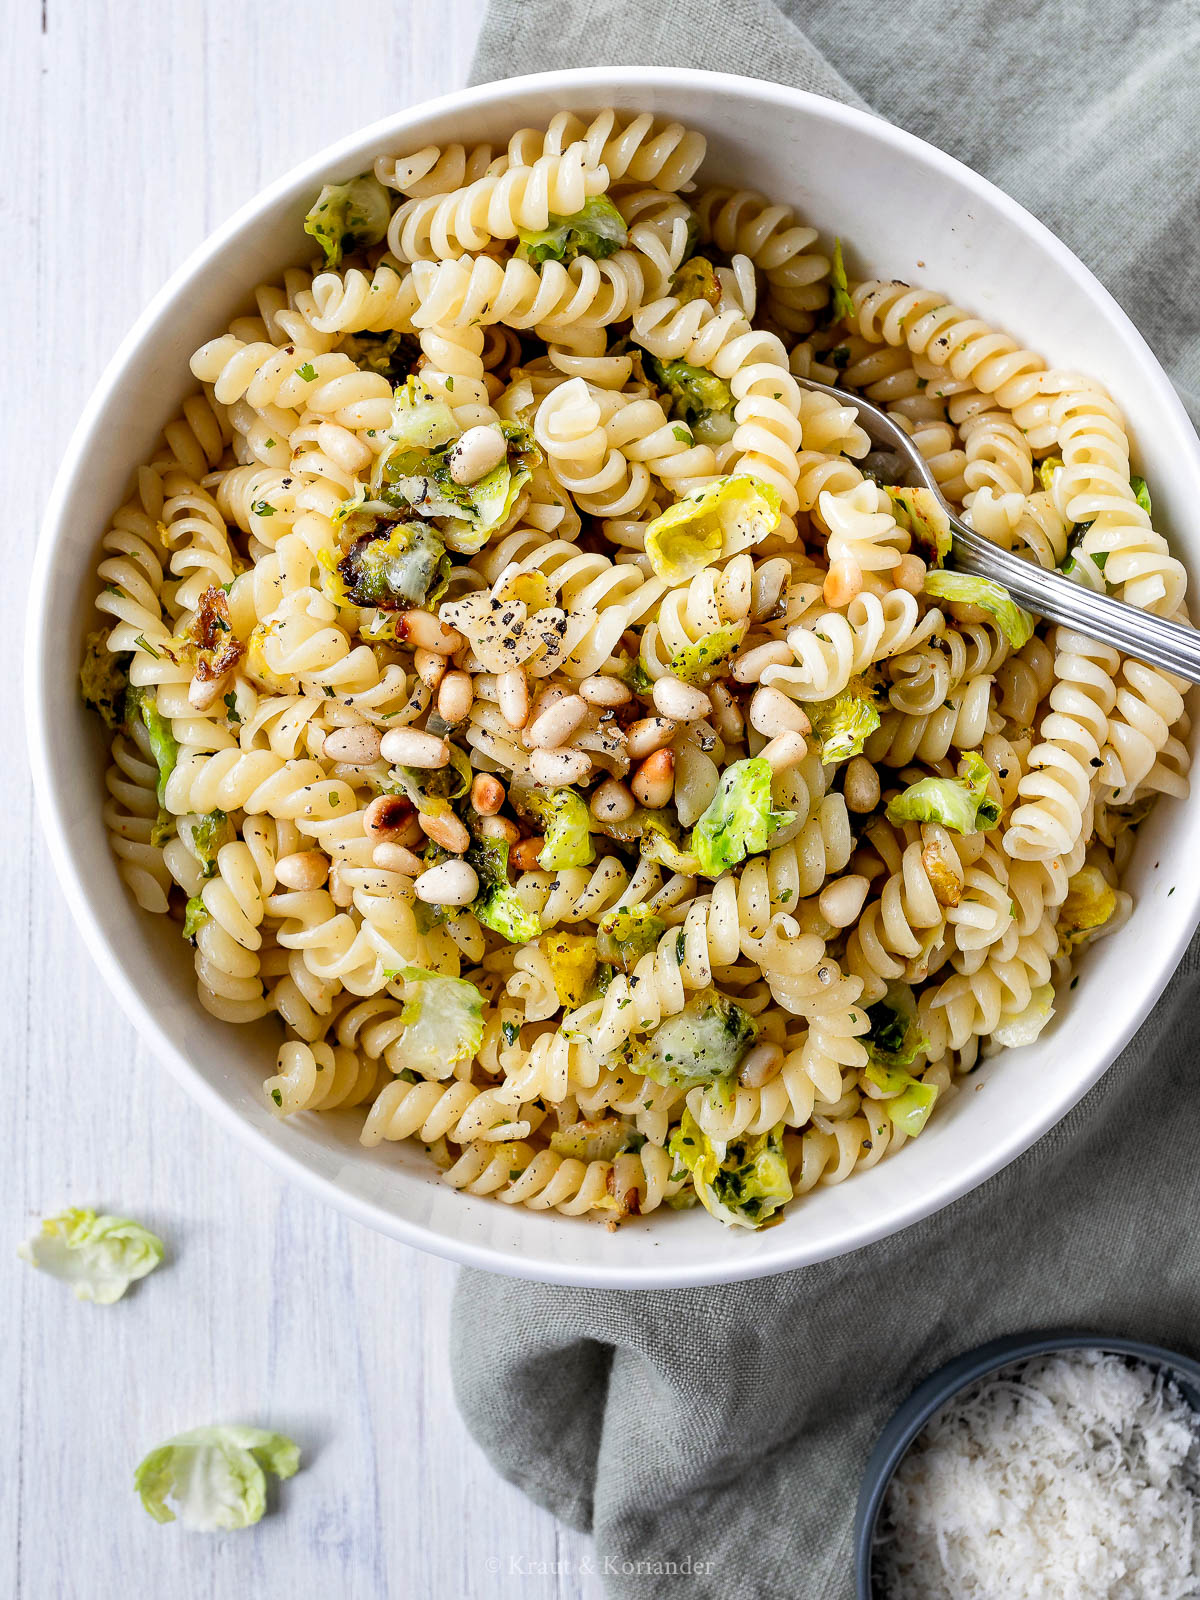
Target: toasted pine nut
<point>748,668</point>
<point>409,747</point>
<point>554,726</point>
<point>205,692</point>
<point>680,700</point>
<point>430,667</point>
<point>552,767</point>
<point>512,691</point>
<point>499,828</point>
<point>910,574</point>
<point>447,831</point>
<point>423,631</point>
<point>726,714</point>
<point>654,781</point>
<point>357,746</point>
<point>602,690</point>
<point>840,901</point>
<point>387,816</point>
<point>455,695</point>
<point>612,801</point>
<point>760,1065</point>
<point>476,453</point>
<point>487,794</point>
<point>306,869</point>
<point>860,785</point>
<point>450,883</point>
<point>524,856</point>
<point>396,858</point>
<point>649,734</point>
<point>771,712</point>
<point>785,750</point>
<point>842,582</point>
<point>340,891</point>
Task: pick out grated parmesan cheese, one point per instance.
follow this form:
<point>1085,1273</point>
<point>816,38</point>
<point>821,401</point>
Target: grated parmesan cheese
<point>1071,1477</point>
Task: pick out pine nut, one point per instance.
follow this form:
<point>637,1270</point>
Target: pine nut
<point>450,883</point>
<point>748,668</point>
<point>499,828</point>
<point>727,714</point>
<point>649,734</point>
<point>654,781</point>
<point>395,858</point>
<point>306,869</point>
<point>512,693</point>
<point>910,574</point>
<point>842,583</point>
<point>557,723</point>
<point>771,712</point>
<point>785,750</point>
<point>680,700</point>
<point>605,691</point>
<point>455,695</point>
<point>840,901</point>
<point>357,746</point>
<point>410,835</point>
<point>447,831</point>
<point>340,891</point>
<point>487,794</point>
<point>423,631</point>
<point>387,816</point>
<point>409,747</point>
<point>554,767</point>
<point>612,801</point>
<point>524,856</point>
<point>475,455</point>
<point>860,785</point>
<point>760,1065</point>
<point>430,667</point>
<point>205,692</point>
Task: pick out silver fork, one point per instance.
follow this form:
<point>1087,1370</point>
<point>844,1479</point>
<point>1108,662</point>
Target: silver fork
<point>1049,594</point>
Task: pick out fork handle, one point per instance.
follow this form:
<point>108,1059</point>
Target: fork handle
<point>1171,645</point>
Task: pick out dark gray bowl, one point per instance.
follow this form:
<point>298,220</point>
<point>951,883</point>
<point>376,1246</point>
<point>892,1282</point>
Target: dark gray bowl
<point>959,1374</point>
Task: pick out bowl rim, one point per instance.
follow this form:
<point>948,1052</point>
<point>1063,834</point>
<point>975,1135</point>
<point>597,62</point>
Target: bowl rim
<point>957,1375</point>
<point>792,1249</point>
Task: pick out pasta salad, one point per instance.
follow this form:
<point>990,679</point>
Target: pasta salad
<point>534,696</point>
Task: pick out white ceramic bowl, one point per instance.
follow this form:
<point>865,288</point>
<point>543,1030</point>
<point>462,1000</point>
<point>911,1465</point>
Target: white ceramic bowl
<point>906,211</point>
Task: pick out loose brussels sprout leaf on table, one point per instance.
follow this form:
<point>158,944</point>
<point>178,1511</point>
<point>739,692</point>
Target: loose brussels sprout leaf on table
<point>738,821</point>
<point>349,216</point>
<point>99,1256</point>
<point>743,1183</point>
<point>216,1476</point>
<point>598,231</point>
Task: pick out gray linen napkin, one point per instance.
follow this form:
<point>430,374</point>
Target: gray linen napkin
<point>726,1429</point>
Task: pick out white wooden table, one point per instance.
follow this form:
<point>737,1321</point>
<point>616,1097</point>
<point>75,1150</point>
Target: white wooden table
<point>131,128</point>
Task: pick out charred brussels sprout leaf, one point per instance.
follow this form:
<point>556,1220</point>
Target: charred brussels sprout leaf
<point>702,1044</point>
<point>497,906</point>
<point>627,933</point>
<point>394,566</point>
<point>103,680</point>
